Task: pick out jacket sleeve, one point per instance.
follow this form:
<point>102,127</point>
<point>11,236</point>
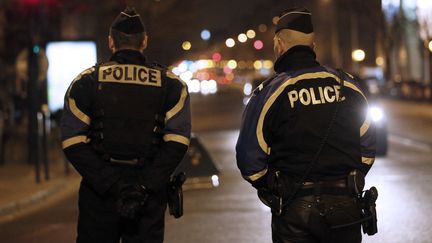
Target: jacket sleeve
<point>74,127</point>
<point>176,135</point>
<point>367,130</point>
<point>367,142</point>
<point>252,149</point>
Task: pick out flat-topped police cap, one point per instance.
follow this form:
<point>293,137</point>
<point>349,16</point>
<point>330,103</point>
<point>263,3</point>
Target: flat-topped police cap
<point>298,19</point>
<point>128,22</point>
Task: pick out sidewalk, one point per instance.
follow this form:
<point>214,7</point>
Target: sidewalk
<point>19,192</point>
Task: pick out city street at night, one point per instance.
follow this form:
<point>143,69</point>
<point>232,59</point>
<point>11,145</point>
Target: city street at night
<point>233,213</point>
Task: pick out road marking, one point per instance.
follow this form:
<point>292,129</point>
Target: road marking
<point>410,142</point>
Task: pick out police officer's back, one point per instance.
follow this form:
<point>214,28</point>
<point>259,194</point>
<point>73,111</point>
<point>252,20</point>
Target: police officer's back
<point>125,128</point>
<point>303,131</point>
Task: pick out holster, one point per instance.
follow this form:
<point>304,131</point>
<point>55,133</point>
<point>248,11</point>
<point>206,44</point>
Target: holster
<point>175,194</point>
<point>270,200</point>
<point>279,187</point>
<point>370,225</point>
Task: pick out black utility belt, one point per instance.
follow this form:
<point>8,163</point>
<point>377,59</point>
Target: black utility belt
<point>127,162</point>
<point>339,187</point>
<point>336,191</point>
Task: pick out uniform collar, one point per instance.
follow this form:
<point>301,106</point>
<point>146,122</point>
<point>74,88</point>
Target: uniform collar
<point>297,57</point>
<point>127,56</point>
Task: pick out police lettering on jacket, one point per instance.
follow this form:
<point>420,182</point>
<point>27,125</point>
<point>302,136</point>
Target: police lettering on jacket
<point>130,74</point>
<point>314,95</point>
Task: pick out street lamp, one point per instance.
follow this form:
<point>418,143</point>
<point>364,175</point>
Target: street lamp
<point>358,55</point>
<point>430,46</point>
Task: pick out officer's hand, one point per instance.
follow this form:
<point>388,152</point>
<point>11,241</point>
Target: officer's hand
<point>131,201</point>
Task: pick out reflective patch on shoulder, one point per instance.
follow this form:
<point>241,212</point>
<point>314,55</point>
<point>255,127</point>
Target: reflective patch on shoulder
<point>130,74</point>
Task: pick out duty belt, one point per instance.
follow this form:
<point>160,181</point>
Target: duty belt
<point>338,187</point>
<point>129,162</point>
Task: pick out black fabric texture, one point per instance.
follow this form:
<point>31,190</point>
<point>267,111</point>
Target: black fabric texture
<point>99,221</point>
<point>309,221</point>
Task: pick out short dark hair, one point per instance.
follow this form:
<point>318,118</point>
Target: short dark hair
<point>123,40</point>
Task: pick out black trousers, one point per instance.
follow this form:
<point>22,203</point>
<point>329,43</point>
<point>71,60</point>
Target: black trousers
<point>98,221</point>
<point>308,220</point>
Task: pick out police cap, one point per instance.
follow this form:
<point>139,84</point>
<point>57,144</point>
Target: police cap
<point>128,22</point>
<point>298,19</point>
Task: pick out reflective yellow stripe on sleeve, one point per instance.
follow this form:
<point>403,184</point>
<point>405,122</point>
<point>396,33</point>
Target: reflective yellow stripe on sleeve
<point>176,138</point>
<point>256,176</point>
<point>181,102</point>
<point>77,112</point>
<point>365,127</point>
<point>75,140</point>
<point>71,102</point>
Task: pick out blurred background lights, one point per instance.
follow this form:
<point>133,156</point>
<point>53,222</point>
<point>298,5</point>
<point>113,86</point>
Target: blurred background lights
<point>262,28</point>
<point>216,57</point>
<point>232,64</point>
<point>227,70</point>
<point>215,180</point>
<point>186,75</point>
<point>182,67</point>
<point>267,64</point>
<point>250,34</point>
<point>242,38</point>
<point>247,89</point>
<point>358,55</point>
<point>379,61</point>
<point>194,86</point>
<point>186,45</point>
<point>205,35</point>
<point>258,45</point>
<point>257,64</point>
<point>430,46</point>
<point>230,42</point>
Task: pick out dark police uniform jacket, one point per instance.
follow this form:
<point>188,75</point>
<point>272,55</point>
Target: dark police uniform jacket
<point>289,114</point>
<point>126,68</point>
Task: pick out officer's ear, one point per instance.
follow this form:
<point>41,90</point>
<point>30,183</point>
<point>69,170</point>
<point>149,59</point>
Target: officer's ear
<point>111,43</point>
<point>144,43</point>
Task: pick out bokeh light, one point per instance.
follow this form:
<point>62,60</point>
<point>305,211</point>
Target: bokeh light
<point>205,35</point>
<point>230,42</point>
<point>216,57</point>
<point>186,45</point>
<point>232,64</point>
<point>358,55</point>
<point>258,44</point>
<point>250,34</point>
<point>242,38</point>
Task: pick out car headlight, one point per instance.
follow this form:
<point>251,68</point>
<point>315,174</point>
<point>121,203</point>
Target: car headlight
<point>247,89</point>
<point>376,113</point>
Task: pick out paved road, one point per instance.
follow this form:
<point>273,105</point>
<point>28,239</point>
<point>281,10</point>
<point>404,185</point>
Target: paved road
<point>232,213</point>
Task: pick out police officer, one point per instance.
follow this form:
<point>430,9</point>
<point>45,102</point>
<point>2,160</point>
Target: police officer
<point>126,126</point>
<point>303,132</point>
